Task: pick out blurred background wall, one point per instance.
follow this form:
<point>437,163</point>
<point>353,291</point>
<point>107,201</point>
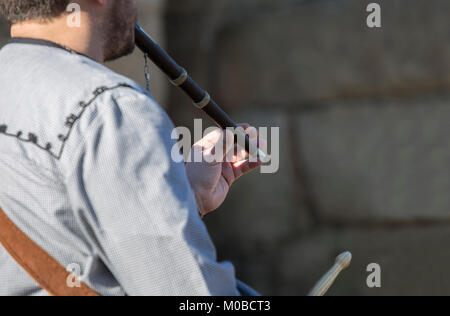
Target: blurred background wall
<point>365,154</point>
<point>365,150</point>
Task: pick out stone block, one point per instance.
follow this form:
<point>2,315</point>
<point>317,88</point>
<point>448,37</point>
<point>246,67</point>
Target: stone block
<point>384,160</point>
<point>323,50</point>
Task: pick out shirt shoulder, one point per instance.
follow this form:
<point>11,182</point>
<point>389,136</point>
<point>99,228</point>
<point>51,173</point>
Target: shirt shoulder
<point>50,96</point>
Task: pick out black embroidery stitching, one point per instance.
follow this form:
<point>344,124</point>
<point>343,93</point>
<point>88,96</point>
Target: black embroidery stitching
<point>69,123</point>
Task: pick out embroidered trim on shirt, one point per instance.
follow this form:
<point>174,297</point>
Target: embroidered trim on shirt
<point>69,123</point>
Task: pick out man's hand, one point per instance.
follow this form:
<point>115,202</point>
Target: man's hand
<point>212,178</point>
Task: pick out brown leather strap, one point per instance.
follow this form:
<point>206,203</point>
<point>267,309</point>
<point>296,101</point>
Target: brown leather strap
<point>44,269</point>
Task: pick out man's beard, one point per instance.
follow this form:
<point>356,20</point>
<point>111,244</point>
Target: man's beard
<point>119,30</point>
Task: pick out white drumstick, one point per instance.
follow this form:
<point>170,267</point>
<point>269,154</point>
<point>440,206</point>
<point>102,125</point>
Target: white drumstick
<point>342,263</point>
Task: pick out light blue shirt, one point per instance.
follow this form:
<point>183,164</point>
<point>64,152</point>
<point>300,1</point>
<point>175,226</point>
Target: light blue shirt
<point>86,173</point>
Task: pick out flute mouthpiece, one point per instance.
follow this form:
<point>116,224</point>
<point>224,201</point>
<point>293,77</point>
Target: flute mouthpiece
<point>344,260</point>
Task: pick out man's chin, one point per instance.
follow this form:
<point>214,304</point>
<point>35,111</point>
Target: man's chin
<point>123,41</point>
<point>114,55</point>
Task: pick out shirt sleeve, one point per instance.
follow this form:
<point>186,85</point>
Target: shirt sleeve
<point>136,205</point>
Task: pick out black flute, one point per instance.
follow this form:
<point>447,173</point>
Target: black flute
<point>180,78</point>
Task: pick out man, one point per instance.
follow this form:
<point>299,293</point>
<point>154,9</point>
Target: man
<point>85,161</point>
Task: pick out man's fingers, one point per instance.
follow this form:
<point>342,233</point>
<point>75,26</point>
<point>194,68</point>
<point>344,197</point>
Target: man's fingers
<point>243,167</point>
<point>232,172</point>
<point>251,131</point>
<point>218,145</point>
<point>228,173</point>
<point>210,139</point>
<point>240,152</point>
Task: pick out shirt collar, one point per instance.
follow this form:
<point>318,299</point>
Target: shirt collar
<point>41,42</point>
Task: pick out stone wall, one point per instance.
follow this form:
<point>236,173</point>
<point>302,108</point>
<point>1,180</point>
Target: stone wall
<point>365,153</point>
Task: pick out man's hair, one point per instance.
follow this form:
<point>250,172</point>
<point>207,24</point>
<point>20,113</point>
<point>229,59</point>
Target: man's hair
<point>16,11</point>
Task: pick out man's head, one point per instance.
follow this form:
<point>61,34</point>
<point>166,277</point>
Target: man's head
<point>16,11</point>
<point>112,21</point>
